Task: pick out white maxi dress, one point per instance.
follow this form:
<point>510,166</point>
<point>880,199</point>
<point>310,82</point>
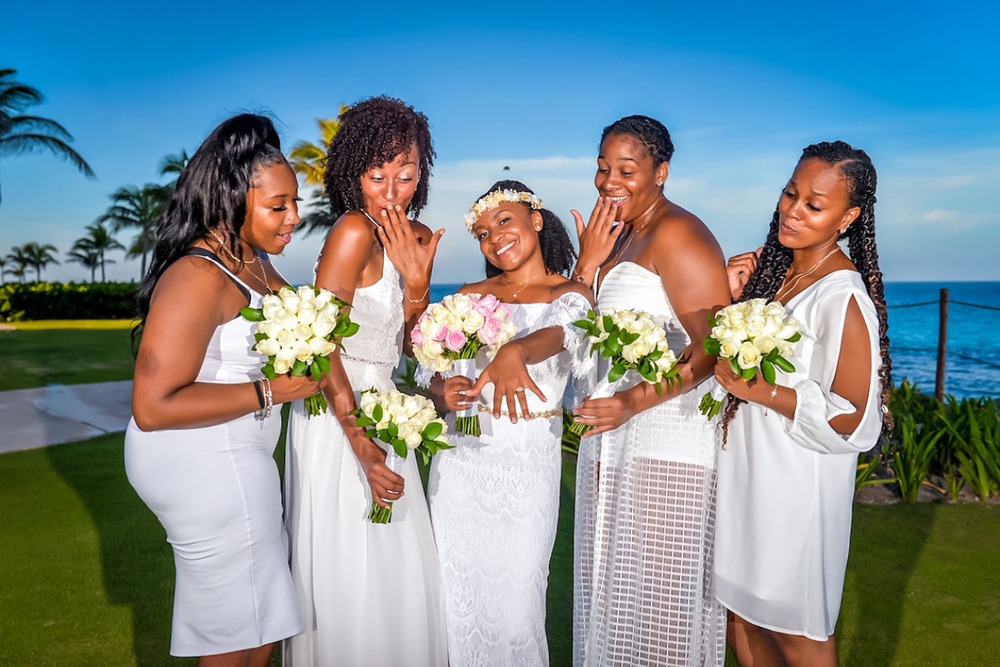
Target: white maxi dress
<point>786,486</point>
<point>645,519</point>
<point>495,504</point>
<point>370,593</point>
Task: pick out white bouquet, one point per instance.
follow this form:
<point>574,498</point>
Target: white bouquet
<point>403,423</point>
<point>753,335</point>
<point>297,330</point>
<point>630,340</point>
<point>451,333</point>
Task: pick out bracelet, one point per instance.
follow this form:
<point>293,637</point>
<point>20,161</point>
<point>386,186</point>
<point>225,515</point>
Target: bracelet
<point>420,299</point>
<point>774,392</point>
<point>265,410</point>
<point>580,278</point>
<point>260,394</point>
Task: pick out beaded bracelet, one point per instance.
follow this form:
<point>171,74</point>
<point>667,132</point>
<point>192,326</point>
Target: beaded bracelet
<point>420,299</point>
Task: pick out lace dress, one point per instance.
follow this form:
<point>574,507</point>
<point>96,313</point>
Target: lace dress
<point>494,504</point>
<point>217,493</point>
<point>645,520</point>
<point>370,594</point>
<point>786,486</point>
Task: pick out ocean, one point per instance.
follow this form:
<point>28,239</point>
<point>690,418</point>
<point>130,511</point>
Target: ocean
<point>973,345</point>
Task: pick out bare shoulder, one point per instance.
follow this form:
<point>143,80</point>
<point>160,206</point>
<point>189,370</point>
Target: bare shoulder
<point>479,287</point>
<point>681,232</point>
<point>567,286</point>
<point>351,225</point>
<point>195,287</point>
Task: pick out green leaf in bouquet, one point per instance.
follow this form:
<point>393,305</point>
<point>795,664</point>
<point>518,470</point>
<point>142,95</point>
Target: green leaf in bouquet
<point>616,372</point>
<point>399,447</point>
<point>314,370</point>
<point>749,373</point>
<point>252,314</point>
<point>609,324</point>
<point>627,337</point>
<point>432,430</point>
<point>735,367</point>
<point>784,364</point>
<point>299,368</point>
<point>711,346</point>
<point>612,348</point>
<point>383,435</point>
<point>324,365</point>
<point>393,430</point>
<point>268,371</point>
<point>364,421</point>
<point>767,370</point>
<point>377,413</point>
<point>257,337</point>
<point>795,337</point>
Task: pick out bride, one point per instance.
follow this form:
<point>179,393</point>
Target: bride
<point>370,593</point>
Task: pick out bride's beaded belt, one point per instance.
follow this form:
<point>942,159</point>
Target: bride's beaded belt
<point>544,414</point>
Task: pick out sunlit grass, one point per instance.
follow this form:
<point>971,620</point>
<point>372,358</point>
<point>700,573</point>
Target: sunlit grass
<point>40,325</point>
<point>52,355</point>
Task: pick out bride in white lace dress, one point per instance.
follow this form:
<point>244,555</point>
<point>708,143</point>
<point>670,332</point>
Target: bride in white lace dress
<point>645,504</point>
<point>495,499</point>
<point>370,593</point>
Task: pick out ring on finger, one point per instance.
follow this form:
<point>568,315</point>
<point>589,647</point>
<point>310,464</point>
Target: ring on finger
<point>519,390</point>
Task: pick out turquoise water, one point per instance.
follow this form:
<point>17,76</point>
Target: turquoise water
<point>973,362</point>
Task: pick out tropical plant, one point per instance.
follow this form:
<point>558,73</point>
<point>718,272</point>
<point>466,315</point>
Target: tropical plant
<point>4,263</point>
<point>914,456</point>
<point>20,134</point>
<point>174,164</point>
<point>37,256</point>
<point>309,160</point>
<point>139,209</point>
<point>977,432</point>
<point>95,245</point>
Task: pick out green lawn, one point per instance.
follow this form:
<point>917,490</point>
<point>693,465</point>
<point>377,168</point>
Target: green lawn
<point>87,575</point>
<point>46,353</point>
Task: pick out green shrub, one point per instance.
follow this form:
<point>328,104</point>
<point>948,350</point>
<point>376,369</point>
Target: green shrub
<point>67,301</point>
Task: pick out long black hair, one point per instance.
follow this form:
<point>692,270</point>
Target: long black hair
<point>775,259</point>
<point>557,250</point>
<point>373,132</point>
<point>211,193</point>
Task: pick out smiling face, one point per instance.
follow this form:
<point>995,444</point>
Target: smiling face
<point>814,207</point>
<point>272,208</point>
<point>626,174</point>
<point>508,235</point>
<point>393,183</point>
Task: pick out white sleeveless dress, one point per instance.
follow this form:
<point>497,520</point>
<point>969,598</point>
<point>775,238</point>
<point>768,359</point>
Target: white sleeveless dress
<point>495,503</point>
<point>370,593</point>
<point>786,486</point>
<point>645,522</point>
<point>217,493</point>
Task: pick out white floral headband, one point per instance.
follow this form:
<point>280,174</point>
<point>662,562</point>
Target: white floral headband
<point>493,199</point>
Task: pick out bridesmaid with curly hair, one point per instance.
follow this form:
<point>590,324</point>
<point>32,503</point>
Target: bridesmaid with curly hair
<point>786,477</point>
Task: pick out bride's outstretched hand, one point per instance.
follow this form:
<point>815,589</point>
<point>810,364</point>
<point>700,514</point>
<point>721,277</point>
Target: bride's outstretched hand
<point>598,236</point>
<point>413,259</point>
<point>511,382</point>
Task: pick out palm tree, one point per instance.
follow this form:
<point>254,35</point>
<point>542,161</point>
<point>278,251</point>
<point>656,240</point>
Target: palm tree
<point>174,164</point>
<point>309,160</point>
<point>140,209</point>
<point>20,261</point>
<point>85,253</point>
<point>98,241</point>
<point>4,261</point>
<point>38,256</point>
<point>28,134</point>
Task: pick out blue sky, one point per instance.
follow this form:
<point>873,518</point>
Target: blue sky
<point>530,86</point>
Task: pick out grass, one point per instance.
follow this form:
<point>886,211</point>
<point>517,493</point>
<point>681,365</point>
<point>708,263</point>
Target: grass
<point>45,353</point>
<point>88,575</point>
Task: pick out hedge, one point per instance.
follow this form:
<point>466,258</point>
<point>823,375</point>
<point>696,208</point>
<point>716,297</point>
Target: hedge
<point>67,301</point>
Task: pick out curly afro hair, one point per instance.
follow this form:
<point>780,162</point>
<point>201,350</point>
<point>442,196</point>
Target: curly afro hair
<point>372,132</point>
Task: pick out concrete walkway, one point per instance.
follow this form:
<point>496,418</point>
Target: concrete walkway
<point>52,415</point>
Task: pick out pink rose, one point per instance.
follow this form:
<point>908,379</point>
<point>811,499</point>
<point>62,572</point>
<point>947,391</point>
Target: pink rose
<point>454,340</point>
<point>489,333</point>
<point>417,336</point>
<point>486,305</point>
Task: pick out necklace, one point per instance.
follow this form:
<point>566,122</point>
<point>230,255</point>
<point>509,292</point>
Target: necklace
<point>635,231</point>
<point>521,284</point>
<point>262,276</point>
<point>787,289</point>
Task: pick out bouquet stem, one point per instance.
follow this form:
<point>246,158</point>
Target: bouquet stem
<point>709,406</point>
<point>469,425</point>
<point>379,514</point>
<point>579,429</point>
<point>315,405</point>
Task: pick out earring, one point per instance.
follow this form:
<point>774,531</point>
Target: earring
<point>659,184</point>
<point>538,229</point>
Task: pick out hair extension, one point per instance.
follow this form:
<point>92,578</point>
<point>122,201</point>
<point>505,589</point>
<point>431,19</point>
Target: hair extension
<point>856,167</point>
<point>211,194</point>
<point>650,132</point>
<point>373,132</point>
<point>557,250</point>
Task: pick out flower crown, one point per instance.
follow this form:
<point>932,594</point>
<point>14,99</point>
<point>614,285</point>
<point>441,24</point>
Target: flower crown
<point>492,200</point>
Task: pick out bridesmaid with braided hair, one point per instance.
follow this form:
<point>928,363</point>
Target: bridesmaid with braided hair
<point>786,476</point>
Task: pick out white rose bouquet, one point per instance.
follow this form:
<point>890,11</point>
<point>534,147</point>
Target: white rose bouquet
<point>403,423</point>
<point>754,335</point>
<point>297,330</point>
<point>630,340</point>
<point>450,334</point>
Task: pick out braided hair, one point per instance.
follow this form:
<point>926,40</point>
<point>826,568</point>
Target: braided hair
<point>775,259</point>
<point>373,132</point>
<point>557,250</point>
<point>211,194</point>
<point>650,132</point>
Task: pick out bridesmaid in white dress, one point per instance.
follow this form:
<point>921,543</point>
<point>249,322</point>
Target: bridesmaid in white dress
<point>645,504</point>
<point>370,593</point>
<point>786,477</point>
<point>199,447</point>
<point>495,499</point>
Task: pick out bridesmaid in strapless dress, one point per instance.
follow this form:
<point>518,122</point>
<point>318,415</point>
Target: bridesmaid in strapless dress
<point>645,505</point>
<point>199,447</point>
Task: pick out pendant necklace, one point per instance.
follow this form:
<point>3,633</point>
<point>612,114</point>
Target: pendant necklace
<point>786,289</point>
<point>239,262</point>
<point>521,284</point>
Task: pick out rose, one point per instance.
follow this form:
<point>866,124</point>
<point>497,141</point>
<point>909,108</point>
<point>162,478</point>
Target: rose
<point>268,347</point>
<point>283,360</point>
<point>455,339</point>
<point>765,343</point>
<point>473,321</point>
<point>748,356</point>
<point>289,299</point>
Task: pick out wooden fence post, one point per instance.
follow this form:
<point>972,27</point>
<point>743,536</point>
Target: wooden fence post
<point>942,352</point>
